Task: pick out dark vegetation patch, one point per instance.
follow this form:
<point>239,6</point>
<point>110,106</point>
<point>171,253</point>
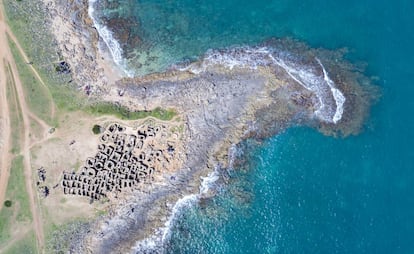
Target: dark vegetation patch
<point>105,108</point>
<point>62,67</point>
<point>8,203</point>
<point>97,129</point>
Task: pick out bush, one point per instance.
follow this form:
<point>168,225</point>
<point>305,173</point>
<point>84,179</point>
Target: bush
<point>106,108</point>
<point>96,129</point>
<point>8,203</point>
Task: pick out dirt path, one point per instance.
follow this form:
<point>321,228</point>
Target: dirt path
<point>4,124</point>
<point>42,123</point>
<point>6,54</point>
<point>17,233</point>
<point>27,60</point>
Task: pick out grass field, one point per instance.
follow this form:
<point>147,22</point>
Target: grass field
<point>6,215</point>
<point>15,111</point>
<point>18,214</point>
<point>27,245</point>
<point>16,190</point>
<point>104,108</point>
<point>19,211</point>
<point>37,97</point>
<point>27,21</point>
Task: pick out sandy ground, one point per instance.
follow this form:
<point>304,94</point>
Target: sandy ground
<point>67,151</point>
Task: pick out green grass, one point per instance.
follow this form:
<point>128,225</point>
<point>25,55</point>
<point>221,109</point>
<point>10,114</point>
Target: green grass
<point>27,21</point>
<point>106,108</point>
<point>16,192</point>
<point>6,215</point>
<point>16,189</point>
<point>27,245</point>
<point>178,129</point>
<point>37,96</point>
<point>15,112</point>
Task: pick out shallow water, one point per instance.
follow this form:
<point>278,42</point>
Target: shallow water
<point>303,192</point>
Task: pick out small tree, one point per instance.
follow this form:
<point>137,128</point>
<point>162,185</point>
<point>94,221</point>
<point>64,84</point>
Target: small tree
<point>7,203</point>
<point>96,129</point>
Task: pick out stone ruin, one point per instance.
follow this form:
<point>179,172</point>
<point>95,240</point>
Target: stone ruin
<point>122,162</point>
<point>43,189</point>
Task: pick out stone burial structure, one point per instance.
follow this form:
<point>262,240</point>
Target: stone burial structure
<point>43,189</point>
<point>124,159</point>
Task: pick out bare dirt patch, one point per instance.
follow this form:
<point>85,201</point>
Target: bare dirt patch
<point>67,150</point>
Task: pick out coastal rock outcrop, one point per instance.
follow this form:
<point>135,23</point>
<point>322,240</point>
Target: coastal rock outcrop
<point>226,97</point>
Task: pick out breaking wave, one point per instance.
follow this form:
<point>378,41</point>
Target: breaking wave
<point>158,240</point>
<point>313,77</point>
<point>338,96</point>
<point>111,43</point>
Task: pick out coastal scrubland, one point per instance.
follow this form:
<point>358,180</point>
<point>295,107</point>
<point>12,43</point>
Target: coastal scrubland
<point>37,95</point>
<point>55,106</point>
<point>106,108</point>
<point>29,26</point>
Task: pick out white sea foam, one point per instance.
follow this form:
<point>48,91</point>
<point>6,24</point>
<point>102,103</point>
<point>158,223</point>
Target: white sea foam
<point>185,202</point>
<point>188,201</point>
<point>252,57</point>
<point>208,181</point>
<point>109,40</point>
<point>338,96</point>
<point>156,241</point>
<point>241,57</point>
<point>306,75</point>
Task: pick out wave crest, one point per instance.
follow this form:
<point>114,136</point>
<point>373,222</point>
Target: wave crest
<point>312,76</point>
<point>111,43</point>
<point>157,241</point>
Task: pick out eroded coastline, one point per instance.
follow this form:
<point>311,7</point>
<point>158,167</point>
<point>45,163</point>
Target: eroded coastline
<point>225,104</point>
<point>227,96</point>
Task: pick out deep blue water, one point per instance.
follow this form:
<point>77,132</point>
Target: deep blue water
<point>305,192</point>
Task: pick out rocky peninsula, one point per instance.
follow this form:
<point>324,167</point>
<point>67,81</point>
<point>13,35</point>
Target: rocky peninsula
<point>225,97</point>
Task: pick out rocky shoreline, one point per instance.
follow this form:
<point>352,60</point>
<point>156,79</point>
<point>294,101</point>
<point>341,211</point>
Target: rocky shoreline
<point>78,41</point>
<point>220,105</point>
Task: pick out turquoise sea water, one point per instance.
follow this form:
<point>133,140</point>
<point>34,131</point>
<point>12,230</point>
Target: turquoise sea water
<point>303,192</point>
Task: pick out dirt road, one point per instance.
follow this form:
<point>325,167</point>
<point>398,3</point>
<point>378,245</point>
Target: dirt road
<point>4,121</point>
<point>5,159</point>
